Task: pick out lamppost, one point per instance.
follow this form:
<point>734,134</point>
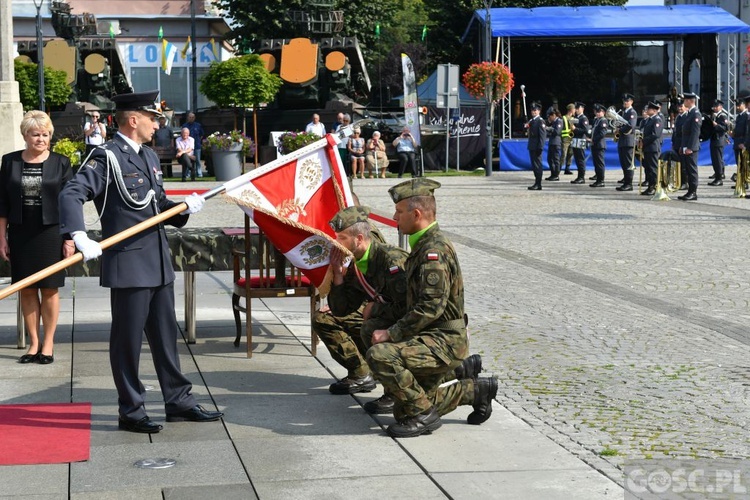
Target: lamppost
<point>40,52</point>
<point>488,58</point>
<point>194,69</point>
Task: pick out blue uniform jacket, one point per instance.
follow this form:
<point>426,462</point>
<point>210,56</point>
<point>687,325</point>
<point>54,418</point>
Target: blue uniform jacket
<point>142,260</point>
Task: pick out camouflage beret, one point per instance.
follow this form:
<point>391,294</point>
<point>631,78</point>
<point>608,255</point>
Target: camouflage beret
<point>418,186</point>
<point>348,217</point>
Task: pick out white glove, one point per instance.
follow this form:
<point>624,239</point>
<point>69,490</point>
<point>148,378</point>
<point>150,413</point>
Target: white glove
<point>89,248</point>
<point>194,202</point>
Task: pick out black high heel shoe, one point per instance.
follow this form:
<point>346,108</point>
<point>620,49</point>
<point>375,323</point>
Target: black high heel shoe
<point>29,358</point>
<point>43,359</point>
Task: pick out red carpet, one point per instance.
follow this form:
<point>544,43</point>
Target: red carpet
<point>44,433</point>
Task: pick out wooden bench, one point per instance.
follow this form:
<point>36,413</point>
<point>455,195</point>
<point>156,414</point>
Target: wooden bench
<point>166,158</point>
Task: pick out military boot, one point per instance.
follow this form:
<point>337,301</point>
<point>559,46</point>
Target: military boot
<point>424,423</point>
<point>485,390</point>
<point>353,385</point>
<point>381,406</point>
<point>470,367</point>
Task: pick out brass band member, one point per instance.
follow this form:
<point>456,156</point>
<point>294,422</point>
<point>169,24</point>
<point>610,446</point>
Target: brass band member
<point>567,136</point>
<point>554,144</point>
<point>691,129</point>
<point>599,144</point>
<point>537,136</point>
<point>739,134</point>
<point>582,131</point>
<point>626,142</point>
<point>720,122</point>
<point>677,138</point>
<point>653,126</point>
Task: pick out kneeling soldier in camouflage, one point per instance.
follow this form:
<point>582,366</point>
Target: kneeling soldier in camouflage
<point>417,358</point>
<point>370,291</point>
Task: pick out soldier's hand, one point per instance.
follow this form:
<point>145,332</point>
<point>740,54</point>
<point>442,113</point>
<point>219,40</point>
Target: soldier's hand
<point>380,336</point>
<point>194,204</point>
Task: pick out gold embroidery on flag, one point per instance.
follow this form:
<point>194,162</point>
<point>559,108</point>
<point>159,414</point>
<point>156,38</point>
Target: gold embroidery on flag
<point>315,250</point>
<point>291,209</point>
<point>310,172</point>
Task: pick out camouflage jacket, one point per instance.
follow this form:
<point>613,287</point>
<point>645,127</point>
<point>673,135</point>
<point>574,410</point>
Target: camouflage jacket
<point>385,273</point>
<point>435,295</point>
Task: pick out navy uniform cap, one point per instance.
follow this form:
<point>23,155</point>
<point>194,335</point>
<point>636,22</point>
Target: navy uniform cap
<point>347,217</point>
<point>653,105</point>
<point>140,101</point>
<point>579,104</point>
<point>689,95</point>
<point>627,97</point>
<point>599,107</point>
<point>717,102</point>
<point>536,105</point>
<point>551,111</point>
<point>419,186</point>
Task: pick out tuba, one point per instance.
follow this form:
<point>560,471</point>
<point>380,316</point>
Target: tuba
<point>668,176</point>
<point>743,172</point>
<point>615,121</point>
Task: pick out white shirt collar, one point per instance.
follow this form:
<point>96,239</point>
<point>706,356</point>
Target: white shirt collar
<point>136,147</point>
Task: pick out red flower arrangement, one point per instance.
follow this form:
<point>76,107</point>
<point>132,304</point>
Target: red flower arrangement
<point>496,75</point>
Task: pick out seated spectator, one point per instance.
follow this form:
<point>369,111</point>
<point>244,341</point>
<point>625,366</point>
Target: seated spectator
<point>375,157</point>
<point>357,153</point>
<point>185,146</point>
<point>406,147</point>
<point>316,126</point>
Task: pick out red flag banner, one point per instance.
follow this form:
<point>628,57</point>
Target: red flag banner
<point>292,199</point>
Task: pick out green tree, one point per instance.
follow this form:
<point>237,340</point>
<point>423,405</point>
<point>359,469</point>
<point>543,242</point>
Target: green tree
<point>241,82</point>
<point>56,90</point>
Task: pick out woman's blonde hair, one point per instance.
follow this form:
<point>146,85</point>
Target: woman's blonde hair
<point>36,119</point>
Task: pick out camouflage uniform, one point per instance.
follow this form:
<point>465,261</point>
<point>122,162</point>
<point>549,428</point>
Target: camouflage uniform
<point>340,329</point>
<point>429,341</point>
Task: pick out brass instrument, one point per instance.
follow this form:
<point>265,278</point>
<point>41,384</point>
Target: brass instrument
<point>615,121</point>
<point>668,176</point>
<point>743,171</point>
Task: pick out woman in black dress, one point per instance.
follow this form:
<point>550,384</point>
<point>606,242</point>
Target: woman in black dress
<point>30,182</point>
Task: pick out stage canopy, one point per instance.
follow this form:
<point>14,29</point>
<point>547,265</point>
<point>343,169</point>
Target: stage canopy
<point>639,21</point>
<point>608,23</point>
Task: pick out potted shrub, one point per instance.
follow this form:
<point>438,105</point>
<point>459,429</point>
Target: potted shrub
<point>228,151</point>
<point>241,82</point>
<point>74,150</point>
<point>292,141</point>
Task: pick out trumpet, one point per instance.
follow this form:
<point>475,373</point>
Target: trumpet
<point>743,172</point>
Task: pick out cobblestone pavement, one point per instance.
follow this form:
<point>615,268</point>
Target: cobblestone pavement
<point>617,324</point>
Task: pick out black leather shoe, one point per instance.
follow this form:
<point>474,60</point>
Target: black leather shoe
<point>712,176</point>
<point>353,385</point>
<point>688,197</point>
<point>568,172</point>
<point>717,182</point>
<point>578,180</point>
<point>535,187</point>
<point>734,177</point>
<point>553,178</point>
<point>649,192</point>
<point>424,423</point>
<point>144,425</point>
<point>28,358</point>
<point>195,414</point>
<point>43,359</point>
<point>485,390</point>
<point>621,181</point>
<point>470,367</point>
<point>597,184</point>
<point>381,406</point>
<point>644,183</point>
<point>625,187</point>
<point>592,178</point>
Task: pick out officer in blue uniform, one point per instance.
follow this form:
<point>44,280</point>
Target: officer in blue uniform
<point>720,122</point>
<point>691,128</point>
<point>653,128</point>
<point>626,142</point>
<point>124,180</point>
<point>537,138</point>
<point>599,144</point>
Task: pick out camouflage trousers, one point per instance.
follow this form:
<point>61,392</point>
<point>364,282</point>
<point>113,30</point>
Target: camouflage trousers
<point>341,336</point>
<point>413,374</point>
